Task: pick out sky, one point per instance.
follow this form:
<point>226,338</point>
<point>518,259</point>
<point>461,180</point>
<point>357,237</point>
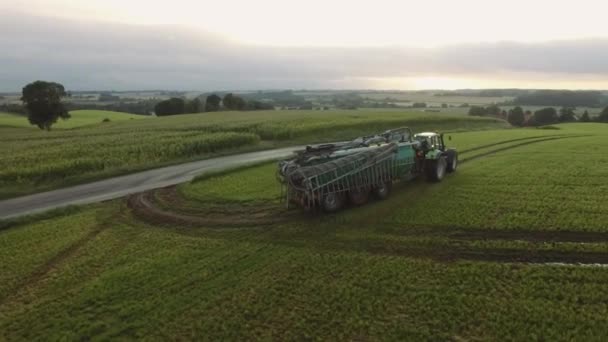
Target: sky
<point>313,44</point>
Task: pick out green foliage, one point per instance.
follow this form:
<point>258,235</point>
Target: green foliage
<point>566,114</point>
<point>566,98</point>
<point>43,103</point>
<point>212,104</point>
<point>603,117</point>
<point>233,102</point>
<point>419,105</point>
<point>491,110</point>
<point>545,116</point>
<point>172,106</point>
<point>194,106</point>
<point>585,117</point>
<point>516,116</point>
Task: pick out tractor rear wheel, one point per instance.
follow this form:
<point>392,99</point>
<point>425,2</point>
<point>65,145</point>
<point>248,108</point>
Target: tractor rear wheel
<point>452,161</point>
<point>435,169</point>
<point>358,196</point>
<point>383,190</point>
<point>332,202</point>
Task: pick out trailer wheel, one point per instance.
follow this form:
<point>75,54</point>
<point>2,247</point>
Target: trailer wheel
<point>383,190</point>
<point>435,169</point>
<point>452,161</point>
<point>332,202</point>
<point>358,196</point>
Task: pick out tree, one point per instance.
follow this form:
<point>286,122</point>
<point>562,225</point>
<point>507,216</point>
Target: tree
<point>516,117</point>
<point>42,102</point>
<point>444,105</point>
<point>212,104</point>
<point>477,111</point>
<point>258,105</point>
<point>419,105</point>
<point>234,102</point>
<point>603,117</point>
<point>545,116</point>
<point>585,117</point>
<point>171,106</point>
<point>566,114</point>
<point>194,106</point>
<point>492,110</point>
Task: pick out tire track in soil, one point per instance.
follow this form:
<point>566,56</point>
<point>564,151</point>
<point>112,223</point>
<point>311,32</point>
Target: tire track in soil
<point>41,272</point>
<point>481,147</point>
<point>498,255</point>
<point>472,234</point>
<point>143,207</point>
<point>506,148</point>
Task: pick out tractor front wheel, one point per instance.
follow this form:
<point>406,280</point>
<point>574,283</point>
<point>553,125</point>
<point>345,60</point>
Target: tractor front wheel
<point>332,202</point>
<point>435,169</point>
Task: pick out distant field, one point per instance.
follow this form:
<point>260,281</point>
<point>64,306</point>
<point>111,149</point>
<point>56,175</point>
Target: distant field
<point>79,118</point>
<point>34,160</point>
<point>430,99</point>
<point>493,252</point>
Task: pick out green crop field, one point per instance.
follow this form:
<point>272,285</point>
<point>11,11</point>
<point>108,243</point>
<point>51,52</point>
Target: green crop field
<point>79,118</point>
<point>513,246</point>
<point>33,160</point>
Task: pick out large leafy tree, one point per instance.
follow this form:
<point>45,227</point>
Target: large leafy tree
<point>171,106</point>
<point>566,114</point>
<point>213,103</point>
<point>42,101</point>
<point>546,116</point>
<point>516,116</point>
<point>234,102</point>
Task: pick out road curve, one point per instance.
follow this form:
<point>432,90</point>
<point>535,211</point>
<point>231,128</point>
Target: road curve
<point>129,184</point>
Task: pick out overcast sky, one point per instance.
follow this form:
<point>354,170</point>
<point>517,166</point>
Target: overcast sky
<point>264,44</point>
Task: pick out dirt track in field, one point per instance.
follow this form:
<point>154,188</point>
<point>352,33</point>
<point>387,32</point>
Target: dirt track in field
<point>167,207</point>
<point>145,206</point>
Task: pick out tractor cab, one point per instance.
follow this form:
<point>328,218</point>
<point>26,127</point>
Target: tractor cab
<point>430,141</point>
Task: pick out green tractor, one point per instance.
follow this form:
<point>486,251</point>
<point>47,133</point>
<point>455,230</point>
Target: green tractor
<point>330,175</point>
<point>435,159</point>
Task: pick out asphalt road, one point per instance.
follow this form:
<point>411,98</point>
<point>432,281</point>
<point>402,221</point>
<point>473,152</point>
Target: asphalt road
<point>125,185</point>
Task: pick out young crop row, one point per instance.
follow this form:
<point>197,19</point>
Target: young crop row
<point>131,281</point>
<point>38,161</point>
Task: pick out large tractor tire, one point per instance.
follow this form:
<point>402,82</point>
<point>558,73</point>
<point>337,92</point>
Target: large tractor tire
<point>332,202</point>
<point>383,190</point>
<point>452,160</point>
<point>436,169</point>
<point>358,196</point>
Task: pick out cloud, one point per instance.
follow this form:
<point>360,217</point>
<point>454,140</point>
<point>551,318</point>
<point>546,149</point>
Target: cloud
<point>103,55</point>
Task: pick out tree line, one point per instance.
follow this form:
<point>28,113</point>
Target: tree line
<point>517,116</point>
<point>561,98</point>
<point>213,103</point>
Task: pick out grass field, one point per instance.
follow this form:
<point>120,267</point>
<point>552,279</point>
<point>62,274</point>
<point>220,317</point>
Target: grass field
<point>490,253</point>
<point>79,118</point>
<point>32,160</point>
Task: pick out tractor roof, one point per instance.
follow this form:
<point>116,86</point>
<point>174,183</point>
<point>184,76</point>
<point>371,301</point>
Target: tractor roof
<point>426,134</point>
